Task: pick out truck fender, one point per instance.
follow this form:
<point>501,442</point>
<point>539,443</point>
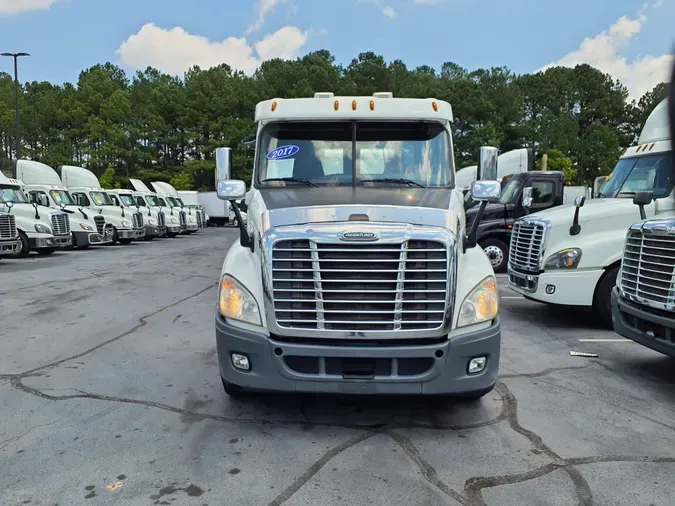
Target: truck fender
<point>474,266</point>
<point>244,265</point>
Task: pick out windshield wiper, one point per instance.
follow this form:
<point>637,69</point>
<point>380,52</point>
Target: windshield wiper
<point>409,182</point>
<point>292,179</point>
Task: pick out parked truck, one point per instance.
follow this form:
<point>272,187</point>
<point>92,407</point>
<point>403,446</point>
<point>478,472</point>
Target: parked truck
<point>571,255</point>
<point>157,205</point>
<point>153,223</point>
<point>494,230</point>
<point>44,187</point>
<point>10,244</point>
<point>191,202</point>
<point>169,194</point>
<point>40,230</point>
<point>85,187</point>
<point>357,277</point>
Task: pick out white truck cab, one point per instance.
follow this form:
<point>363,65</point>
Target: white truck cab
<point>191,201</point>
<point>40,229</point>
<point>10,244</point>
<point>154,224</point>
<point>354,272</point>
<point>570,255</point>
<point>44,187</point>
<point>84,186</point>
<point>156,206</point>
<point>187,220</point>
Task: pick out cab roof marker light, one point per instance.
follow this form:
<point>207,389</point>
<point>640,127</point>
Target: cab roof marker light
<point>652,146</point>
<point>336,105</point>
<point>383,94</point>
<point>435,106</point>
<point>274,106</point>
<point>372,105</point>
<point>324,94</point>
<point>353,105</point>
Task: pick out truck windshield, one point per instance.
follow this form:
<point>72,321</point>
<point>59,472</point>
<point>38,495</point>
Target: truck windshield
<point>321,154</point>
<point>13,195</point>
<point>152,201</point>
<point>641,173</point>
<point>172,202</point>
<point>61,198</point>
<point>100,198</point>
<point>128,200</point>
<point>510,191</point>
<point>162,202</point>
<point>180,201</point>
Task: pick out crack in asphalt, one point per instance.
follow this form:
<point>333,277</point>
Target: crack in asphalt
<point>539,374</point>
<point>3,444</point>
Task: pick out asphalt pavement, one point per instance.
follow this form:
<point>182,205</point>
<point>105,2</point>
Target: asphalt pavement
<point>110,394</point>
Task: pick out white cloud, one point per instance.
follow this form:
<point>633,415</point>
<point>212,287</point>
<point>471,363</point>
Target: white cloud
<point>174,51</point>
<point>388,12</point>
<point>9,7</point>
<point>603,51</point>
<point>264,7</point>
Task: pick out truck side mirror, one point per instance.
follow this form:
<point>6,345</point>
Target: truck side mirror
<point>487,164</point>
<point>9,205</point>
<point>528,198</point>
<point>579,202</point>
<point>642,199</point>
<point>483,192</point>
<point>231,190</point>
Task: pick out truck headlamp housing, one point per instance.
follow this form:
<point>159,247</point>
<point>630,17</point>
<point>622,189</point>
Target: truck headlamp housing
<point>42,229</point>
<point>236,302</point>
<point>564,259</point>
<point>86,227</point>
<point>126,224</point>
<point>481,305</point>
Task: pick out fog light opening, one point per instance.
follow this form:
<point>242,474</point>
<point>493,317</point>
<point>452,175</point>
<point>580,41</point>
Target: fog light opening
<point>439,353</point>
<point>550,289</point>
<point>477,365</point>
<point>241,362</point>
<point>278,352</point>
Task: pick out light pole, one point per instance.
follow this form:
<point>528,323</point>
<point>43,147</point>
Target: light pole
<point>16,94</point>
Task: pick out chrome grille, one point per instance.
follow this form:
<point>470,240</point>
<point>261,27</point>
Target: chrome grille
<point>183,218</point>
<point>527,243</point>
<point>100,223</point>
<point>161,219</point>
<point>648,268</point>
<point>360,287</point>
<point>7,227</point>
<point>199,219</point>
<point>60,224</point>
<point>138,220</point>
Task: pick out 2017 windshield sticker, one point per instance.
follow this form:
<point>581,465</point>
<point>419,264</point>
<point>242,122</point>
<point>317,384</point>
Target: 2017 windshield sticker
<point>283,152</point>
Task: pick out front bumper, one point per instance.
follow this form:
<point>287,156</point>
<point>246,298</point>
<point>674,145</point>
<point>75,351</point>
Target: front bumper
<point>565,287</point>
<point>648,327</point>
<point>88,238</point>
<point>154,231</point>
<point>131,233</point>
<point>192,227</point>
<point>174,229</point>
<point>50,241</point>
<point>11,247</point>
<point>433,375</point>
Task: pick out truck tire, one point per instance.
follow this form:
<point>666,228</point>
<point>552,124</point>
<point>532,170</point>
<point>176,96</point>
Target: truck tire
<point>497,252</point>
<point>235,223</point>
<point>602,300</point>
<point>25,245</point>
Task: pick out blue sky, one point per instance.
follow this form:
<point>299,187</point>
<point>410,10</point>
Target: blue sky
<point>629,38</point>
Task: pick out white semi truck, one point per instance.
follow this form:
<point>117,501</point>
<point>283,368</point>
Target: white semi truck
<point>40,230</point>
<point>157,205</point>
<point>571,255</point>
<point>10,244</point>
<point>355,272</point>
<point>643,302</point>
<point>44,187</point>
<point>85,187</point>
<point>154,223</point>
<point>168,194</point>
<point>191,201</point>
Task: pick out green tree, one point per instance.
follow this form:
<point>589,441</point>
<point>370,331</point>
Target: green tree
<point>107,179</point>
<point>183,181</point>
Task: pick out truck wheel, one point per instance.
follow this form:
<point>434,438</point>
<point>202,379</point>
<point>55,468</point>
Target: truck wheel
<point>25,245</point>
<point>235,223</point>
<point>602,300</point>
<point>497,252</point>
<point>115,237</point>
<point>233,390</point>
<point>45,251</point>
<point>125,241</point>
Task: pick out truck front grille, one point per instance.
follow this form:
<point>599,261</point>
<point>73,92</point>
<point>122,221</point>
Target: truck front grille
<point>161,219</point>
<point>648,268</point>
<point>7,227</point>
<point>527,243</point>
<point>360,287</point>
<point>60,224</point>
<point>138,220</point>
<point>183,218</point>
<point>100,223</point>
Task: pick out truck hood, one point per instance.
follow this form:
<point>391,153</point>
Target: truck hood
<point>440,207</point>
<point>592,210</point>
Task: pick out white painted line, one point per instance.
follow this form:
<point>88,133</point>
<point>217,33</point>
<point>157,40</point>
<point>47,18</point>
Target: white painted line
<point>606,341</point>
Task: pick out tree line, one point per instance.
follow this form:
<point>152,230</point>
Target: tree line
<point>154,126</point>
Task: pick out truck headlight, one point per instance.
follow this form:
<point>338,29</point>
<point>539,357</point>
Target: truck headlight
<point>151,221</point>
<point>86,227</point>
<point>174,220</point>
<point>42,229</point>
<point>564,259</point>
<point>236,302</point>
<point>126,224</point>
<point>192,219</point>
<point>481,305</point>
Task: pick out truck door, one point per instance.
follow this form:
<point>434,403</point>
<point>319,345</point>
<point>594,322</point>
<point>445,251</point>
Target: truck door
<point>543,195</point>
